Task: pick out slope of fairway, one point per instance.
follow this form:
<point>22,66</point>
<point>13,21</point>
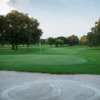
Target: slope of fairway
<point>41,60</point>
<point>52,60</point>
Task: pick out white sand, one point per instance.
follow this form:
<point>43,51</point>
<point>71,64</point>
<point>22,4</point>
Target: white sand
<point>34,86</point>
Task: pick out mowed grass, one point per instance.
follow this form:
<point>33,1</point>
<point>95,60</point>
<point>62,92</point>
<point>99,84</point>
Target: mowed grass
<point>62,60</point>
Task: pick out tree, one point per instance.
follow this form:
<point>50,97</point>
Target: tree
<point>3,26</point>
<point>91,39</point>
<point>94,36</point>
<point>22,29</point>
<point>33,32</point>
<point>43,41</point>
<point>73,40</point>
<point>64,40</point>
<point>83,40</point>
<point>97,32</point>
<point>51,41</point>
<point>58,41</point>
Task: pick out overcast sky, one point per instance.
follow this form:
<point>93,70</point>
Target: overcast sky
<point>58,17</point>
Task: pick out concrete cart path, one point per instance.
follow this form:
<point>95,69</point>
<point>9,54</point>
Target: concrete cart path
<point>37,86</point>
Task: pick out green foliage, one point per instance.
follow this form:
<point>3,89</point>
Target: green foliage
<point>20,29</point>
<point>94,36</point>
<point>61,41</point>
<point>43,41</point>
<point>84,40</point>
<point>73,40</point>
<point>64,39</point>
<point>51,41</point>
<point>58,42</point>
<point>3,27</point>
<point>91,39</point>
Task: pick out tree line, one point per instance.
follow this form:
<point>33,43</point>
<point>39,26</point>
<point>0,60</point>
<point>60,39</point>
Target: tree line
<point>61,41</point>
<point>18,28</point>
<point>91,39</point>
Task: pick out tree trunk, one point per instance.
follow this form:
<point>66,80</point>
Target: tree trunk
<point>2,45</point>
<point>13,46</point>
<point>16,47</point>
<point>27,45</point>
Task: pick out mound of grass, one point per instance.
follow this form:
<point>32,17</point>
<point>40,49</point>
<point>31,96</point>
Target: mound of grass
<point>40,60</point>
<point>67,60</point>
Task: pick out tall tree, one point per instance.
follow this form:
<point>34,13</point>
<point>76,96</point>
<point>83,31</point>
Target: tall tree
<point>59,42</point>
<point>94,35</point>
<point>3,26</point>
<point>91,39</point>
<point>22,29</point>
<point>83,40</point>
<point>73,40</point>
<point>51,41</point>
<point>64,39</point>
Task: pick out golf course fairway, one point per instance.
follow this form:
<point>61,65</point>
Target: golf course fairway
<point>61,60</point>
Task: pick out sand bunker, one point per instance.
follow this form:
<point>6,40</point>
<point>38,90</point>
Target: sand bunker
<point>33,86</point>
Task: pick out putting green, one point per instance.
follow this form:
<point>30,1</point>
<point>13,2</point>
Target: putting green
<point>41,60</point>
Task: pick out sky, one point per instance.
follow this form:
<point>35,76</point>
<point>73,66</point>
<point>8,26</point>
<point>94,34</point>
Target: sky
<point>58,17</point>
